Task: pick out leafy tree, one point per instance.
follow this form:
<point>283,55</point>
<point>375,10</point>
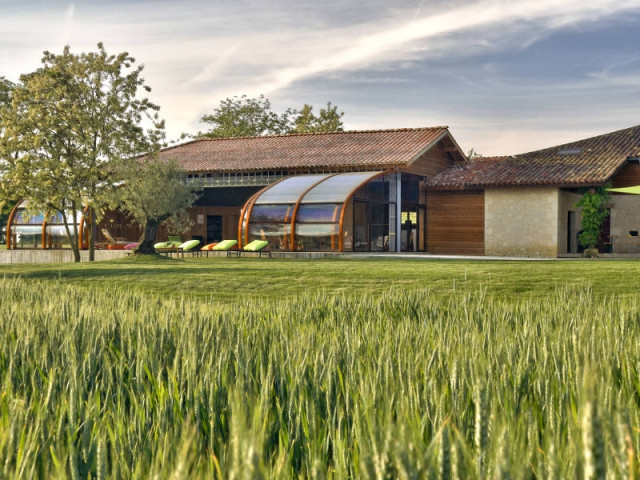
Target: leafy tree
<point>329,120</point>
<point>69,124</point>
<point>154,192</point>
<point>594,213</point>
<point>473,155</point>
<point>6,87</point>
<point>245,117</point>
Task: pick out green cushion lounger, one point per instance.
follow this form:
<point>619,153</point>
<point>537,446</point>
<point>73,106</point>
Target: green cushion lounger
<point>257,246</point>
<point>188,246</point>
<point>225,246</point>
<point>167,247</point>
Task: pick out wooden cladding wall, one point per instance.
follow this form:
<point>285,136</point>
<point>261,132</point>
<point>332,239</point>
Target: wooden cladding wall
<point>455,223</point>
<point>198,229</point>
<point>432,162</point>
<point>629,176</point>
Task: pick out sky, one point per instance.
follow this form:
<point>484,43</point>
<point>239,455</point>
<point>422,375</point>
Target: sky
<point>506,76</point>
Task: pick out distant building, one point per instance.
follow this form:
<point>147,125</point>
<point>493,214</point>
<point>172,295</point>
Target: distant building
<point>524,205</point>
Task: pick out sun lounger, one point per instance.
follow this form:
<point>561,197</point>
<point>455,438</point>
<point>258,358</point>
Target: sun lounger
<point>189,246</point>
<point>167,248</point>
<point>257,246</point>
<point>111,243</point>
<point>225,246</point>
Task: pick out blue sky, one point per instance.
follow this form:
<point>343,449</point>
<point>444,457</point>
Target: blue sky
<point>506,76</point>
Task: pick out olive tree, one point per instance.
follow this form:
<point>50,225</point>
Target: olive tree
<point>155,191</point>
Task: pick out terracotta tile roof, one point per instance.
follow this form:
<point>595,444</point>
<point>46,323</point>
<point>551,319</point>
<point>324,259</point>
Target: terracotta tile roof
<point>373,148</point>
<point>592,161</point>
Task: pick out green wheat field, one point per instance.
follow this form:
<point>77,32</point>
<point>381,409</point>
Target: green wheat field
<point>321,369</point>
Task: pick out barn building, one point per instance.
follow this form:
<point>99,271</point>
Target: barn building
<point>403,190</point>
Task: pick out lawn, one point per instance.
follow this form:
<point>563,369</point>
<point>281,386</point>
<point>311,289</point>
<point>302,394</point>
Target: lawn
<point>337,369</point>
<point>227,279</point>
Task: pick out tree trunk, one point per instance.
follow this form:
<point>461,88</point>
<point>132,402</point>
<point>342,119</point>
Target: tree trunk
<point>92,235</point>
<point>72,236</point>
<point>148,238</point>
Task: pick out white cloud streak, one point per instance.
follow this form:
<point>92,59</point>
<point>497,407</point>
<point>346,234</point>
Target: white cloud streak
<point>545,14</point>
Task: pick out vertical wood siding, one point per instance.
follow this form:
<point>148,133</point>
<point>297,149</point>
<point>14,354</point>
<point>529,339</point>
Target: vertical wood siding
<point>629,176</point>
<point>455,223</point>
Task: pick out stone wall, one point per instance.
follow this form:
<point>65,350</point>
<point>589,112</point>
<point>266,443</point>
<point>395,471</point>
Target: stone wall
<point>54,256</point>
<point>521,222</point>
<point>625,217</point>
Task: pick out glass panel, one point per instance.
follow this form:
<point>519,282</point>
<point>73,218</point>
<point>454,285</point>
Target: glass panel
<point>23,217</point>
<point>410,188</point>
<point>337,188</point>
<point>376,190</point>
<point>57,218</point>
<point>361,226</point>
<point>27,236</point>
<point>57,236</point>
<point>271,213</point>
<point>318,236</point>
<point>288,190</point>
<point>319,212</point>
<point>379,238</point>
<point>277,234</point>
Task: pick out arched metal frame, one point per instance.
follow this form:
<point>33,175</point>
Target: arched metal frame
<point>10,223</point>
<point>245,215</point>
<point>347,200</point>
<point>84,236</point>
<point>248,207</point>
<point>46,238</point>
<point>294,215</point>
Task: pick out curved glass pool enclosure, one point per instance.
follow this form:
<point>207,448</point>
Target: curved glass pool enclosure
<point>352,211</point>
<point>26,229</point>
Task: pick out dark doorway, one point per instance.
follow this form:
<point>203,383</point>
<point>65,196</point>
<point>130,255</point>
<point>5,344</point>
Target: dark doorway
<point>214,228</point>
<point>571,231</point>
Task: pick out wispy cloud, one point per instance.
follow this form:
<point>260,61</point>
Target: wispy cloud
<point>538,15</point>
<point>404,63</point>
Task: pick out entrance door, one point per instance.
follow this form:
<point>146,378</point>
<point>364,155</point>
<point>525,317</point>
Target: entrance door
<point>214,228</point>
<point>409,231</point>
